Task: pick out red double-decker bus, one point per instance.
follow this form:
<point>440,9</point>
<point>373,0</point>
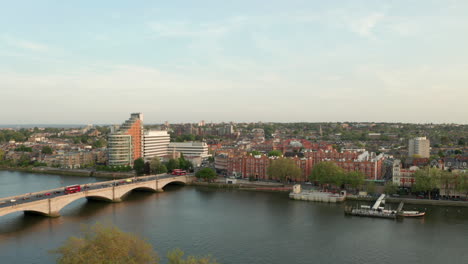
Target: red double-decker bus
<point>72,189</point>
<point>179,172</point>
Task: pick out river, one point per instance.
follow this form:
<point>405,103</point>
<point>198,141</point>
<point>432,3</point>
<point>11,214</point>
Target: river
<point>236,227</point>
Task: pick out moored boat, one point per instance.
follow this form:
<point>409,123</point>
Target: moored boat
<point>412,214</point>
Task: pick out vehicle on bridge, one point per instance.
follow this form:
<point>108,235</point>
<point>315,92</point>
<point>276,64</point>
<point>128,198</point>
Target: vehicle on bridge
<point>179,172</point>
<point>72,189</point>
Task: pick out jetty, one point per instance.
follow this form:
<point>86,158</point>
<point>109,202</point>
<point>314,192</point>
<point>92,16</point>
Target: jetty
<point>375,211</point>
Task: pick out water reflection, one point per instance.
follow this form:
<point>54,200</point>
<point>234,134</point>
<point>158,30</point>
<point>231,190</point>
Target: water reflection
<point>247,227</point>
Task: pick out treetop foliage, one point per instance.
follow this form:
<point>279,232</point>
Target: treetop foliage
<point>101,244</point>
<point>283,169</point>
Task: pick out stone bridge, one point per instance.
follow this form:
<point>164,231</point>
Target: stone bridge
<point>112,191</point>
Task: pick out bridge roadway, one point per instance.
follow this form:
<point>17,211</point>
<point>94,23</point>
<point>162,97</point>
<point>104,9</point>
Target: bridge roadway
<point>50,202</point>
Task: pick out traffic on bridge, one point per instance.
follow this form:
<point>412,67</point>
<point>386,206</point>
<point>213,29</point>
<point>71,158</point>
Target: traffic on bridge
<point>63,191</point>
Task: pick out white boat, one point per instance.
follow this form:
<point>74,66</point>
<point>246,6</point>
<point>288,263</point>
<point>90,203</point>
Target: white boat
<point>412,213</point>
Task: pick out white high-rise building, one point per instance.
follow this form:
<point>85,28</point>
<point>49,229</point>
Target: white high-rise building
<point>419,146</point>
<point>155,143</point>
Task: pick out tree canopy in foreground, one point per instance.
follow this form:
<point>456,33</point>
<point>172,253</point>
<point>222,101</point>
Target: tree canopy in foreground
<point>109,245</point>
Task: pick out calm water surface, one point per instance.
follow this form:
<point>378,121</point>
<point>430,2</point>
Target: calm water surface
<point>235,226</point>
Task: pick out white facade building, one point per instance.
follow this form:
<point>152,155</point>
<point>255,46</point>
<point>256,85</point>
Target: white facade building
<point>190,149</point>
<point>155,144</point>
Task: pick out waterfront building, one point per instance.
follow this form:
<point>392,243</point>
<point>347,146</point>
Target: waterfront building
<point>194,149</point>
<point>120,149</point>
<point>221,163</point>
<point>419,146</point>
<point>403,177</point>
<point>369,164</point>
<point>155,144</point>
<point>256,166</point>
<point>126,144</point>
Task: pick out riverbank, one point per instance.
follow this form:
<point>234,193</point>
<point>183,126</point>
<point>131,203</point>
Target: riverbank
<point>245,186</point>
<point>72,172</point>
<point>410,201</point>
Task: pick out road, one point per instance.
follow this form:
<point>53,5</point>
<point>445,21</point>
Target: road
<point>29,197</point>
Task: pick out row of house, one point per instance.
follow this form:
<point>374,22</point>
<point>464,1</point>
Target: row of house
<point>242,164</point>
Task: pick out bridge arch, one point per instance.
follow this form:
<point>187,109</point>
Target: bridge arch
<point>125,193</point>
<point>172,183</point>
<point>52,206</point>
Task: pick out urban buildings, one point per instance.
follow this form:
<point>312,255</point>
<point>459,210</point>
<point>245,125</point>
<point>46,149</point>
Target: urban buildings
<point>126,144</point>
<point>419,146</point>
<point>190,149</point>
<point>403,177</point>
<point>305,154</point>
<point>155,144</point>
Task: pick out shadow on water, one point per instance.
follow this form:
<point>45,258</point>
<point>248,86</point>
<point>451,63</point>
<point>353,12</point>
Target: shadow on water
<point>19,223</point>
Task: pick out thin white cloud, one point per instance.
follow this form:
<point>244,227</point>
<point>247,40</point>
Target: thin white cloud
<point>365,26</point>
<point>185,29</point>
<point>24,44</point>
<point>31,45</point>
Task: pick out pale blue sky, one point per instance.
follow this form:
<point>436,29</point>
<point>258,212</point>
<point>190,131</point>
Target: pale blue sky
<point>185,61</point>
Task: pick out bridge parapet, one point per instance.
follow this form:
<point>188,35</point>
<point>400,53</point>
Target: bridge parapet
<point>108,190</point>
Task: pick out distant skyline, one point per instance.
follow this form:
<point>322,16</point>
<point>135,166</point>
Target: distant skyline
<point>95,62</point>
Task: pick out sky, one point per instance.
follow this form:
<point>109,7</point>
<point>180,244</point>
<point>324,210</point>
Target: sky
<point>95,62</point>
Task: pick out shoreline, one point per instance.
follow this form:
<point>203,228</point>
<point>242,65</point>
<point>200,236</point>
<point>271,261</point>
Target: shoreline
<point>244,187</point>
<point>256,187</point>
<point>277,189</point>
<point>393,200</point>
<point>70,172</point>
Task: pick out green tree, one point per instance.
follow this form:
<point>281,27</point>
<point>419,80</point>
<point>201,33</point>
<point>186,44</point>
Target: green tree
<point>354,179</point>
<point>283,169</point>
<point>101,244</point>
<point>139,166</point>
<point>370,187</point>
<point>275,153</point>
<point>184,163</point>
<point>326,172</point>
<point>255,153</point>
<point>447,181</point>
<point>47,150</point>
<point>427,179</point>
<point>172,164</point>
<point>461,142</point>
<point>207,174</point>
<point>390,188</point>
<point>156,166</point>
<point>2,154</point>
<point>99,143</point>
<point>23,148</point>
<point>462,183</point>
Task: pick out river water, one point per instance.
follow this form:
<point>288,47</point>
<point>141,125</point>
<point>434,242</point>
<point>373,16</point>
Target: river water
<point>238,227</point>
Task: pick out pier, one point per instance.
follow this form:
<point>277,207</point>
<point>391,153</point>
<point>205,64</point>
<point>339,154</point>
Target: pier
<point>375,211</point>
